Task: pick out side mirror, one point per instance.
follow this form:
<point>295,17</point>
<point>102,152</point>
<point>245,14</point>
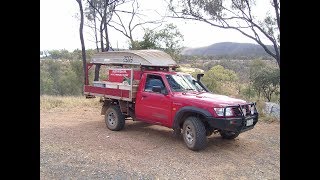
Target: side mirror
<point>156,89</point>
<point>199,76</point>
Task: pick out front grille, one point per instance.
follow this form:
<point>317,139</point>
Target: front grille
<point>237,110</point>
<point>247,109</point>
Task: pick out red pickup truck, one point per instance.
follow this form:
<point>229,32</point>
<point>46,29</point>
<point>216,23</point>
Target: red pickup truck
<point>142,85</point>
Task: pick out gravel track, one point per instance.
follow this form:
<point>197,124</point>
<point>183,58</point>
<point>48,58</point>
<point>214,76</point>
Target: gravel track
<point>76,144</point>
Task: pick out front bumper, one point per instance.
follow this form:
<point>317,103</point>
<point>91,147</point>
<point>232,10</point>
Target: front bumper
<point>237,124</point>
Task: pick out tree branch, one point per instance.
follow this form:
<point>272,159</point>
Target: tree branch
<point>133,14</point>
<point>249,8</point>
<point>90,3</point>
<point>199,18</point>
<point>243,13</point>
<point>112,2</point>
<point>124,33</point>
<point>128,12</point>
<point>146,22</point>
<point>122,25</point>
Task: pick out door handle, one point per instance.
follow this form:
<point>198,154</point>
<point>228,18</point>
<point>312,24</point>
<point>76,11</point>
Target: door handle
<point>144,96</point>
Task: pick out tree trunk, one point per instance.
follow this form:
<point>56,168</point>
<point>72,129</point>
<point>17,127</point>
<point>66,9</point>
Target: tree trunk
<point>96,72</point>
<point>276,7</point>
<point>106,25</point>
<point>101,37</point>
<point>95,31</point>
<point>107,37</point>
<point>278,57</point>
<point>278,61</point>
<point>133,45</point>
<point>83,49</point>
<point>97,68</point>
<point>103,23</point>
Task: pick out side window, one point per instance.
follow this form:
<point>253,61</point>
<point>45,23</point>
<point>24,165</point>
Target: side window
<point>154,80</point>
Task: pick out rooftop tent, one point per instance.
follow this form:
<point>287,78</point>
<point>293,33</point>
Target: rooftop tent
<point>134,57</point>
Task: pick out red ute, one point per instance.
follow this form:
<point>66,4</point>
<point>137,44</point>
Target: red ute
<point>147,88</point>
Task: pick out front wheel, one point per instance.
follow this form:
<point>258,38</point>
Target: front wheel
<point>229,134</point>
<point>114,118</point>
<point>194,134</point>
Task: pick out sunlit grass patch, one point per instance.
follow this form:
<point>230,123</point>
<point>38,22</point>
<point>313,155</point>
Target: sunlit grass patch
<point>50,102</point>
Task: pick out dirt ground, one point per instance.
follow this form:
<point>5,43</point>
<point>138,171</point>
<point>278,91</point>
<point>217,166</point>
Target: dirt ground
<point>76,144</point>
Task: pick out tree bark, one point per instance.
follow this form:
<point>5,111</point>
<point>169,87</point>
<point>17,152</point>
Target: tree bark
<point>278,56</point>
<point>83,49</point>
<point>95,30</point>
<point>276,7</point>
<point>103,23</point>
<point>97,68</point>
<point>106,25</point>
<point>101,37</point>
<point>107,37</point>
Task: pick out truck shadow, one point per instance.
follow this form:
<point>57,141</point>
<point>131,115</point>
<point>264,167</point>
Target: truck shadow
<point>154,135</point>
<point>215,141</point>
<point>152,130</point>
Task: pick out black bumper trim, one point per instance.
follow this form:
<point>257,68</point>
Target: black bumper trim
<point>235,124</point>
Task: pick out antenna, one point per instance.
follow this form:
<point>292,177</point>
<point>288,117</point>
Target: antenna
<point>117,46</point>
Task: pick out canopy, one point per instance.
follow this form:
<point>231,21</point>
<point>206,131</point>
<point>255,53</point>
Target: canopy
<point>134,57</point>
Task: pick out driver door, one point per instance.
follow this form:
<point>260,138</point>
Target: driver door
<point>154,107</point>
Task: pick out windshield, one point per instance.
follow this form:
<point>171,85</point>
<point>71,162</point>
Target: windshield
<point>193,82</point>
<point>179,83</point>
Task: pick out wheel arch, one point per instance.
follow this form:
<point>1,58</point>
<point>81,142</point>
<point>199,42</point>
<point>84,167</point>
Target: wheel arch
<point>106,104</point>
<point>187,111</point>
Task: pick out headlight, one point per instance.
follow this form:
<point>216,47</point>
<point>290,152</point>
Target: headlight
<point>220,111</point>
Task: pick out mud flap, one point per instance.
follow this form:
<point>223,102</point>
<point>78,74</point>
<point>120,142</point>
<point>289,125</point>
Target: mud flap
<point>105,106</point>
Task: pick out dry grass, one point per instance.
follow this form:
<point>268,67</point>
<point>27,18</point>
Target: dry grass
<point>268,119</point>
<point>263,116</point>
<point>188,69</point>
<point>51,102</point>
<point>66,102</point>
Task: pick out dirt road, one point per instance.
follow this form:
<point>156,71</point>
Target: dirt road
<point>75,144</point>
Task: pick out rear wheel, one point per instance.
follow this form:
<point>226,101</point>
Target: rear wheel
<point>229,134</point>
<point>194,134</point>
<point>114,118</point>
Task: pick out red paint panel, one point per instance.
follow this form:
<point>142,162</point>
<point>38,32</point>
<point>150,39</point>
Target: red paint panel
<point>93,89</point>
<point>125,93</point>
<point>136,75</point>
<point>107,91</point>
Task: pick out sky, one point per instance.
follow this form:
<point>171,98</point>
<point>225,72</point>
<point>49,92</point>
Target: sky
<point>59,27</point>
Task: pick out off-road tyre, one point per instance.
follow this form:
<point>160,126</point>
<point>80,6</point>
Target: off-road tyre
<point>114,118</point>
<point>194,134</point>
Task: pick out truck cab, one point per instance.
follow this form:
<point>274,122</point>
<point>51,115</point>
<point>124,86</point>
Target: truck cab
<point>175,100</point>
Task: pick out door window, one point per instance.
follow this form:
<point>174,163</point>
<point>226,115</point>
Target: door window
<point>154,80</point>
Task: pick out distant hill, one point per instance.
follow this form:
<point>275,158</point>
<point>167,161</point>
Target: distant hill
<point>228,49</point>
